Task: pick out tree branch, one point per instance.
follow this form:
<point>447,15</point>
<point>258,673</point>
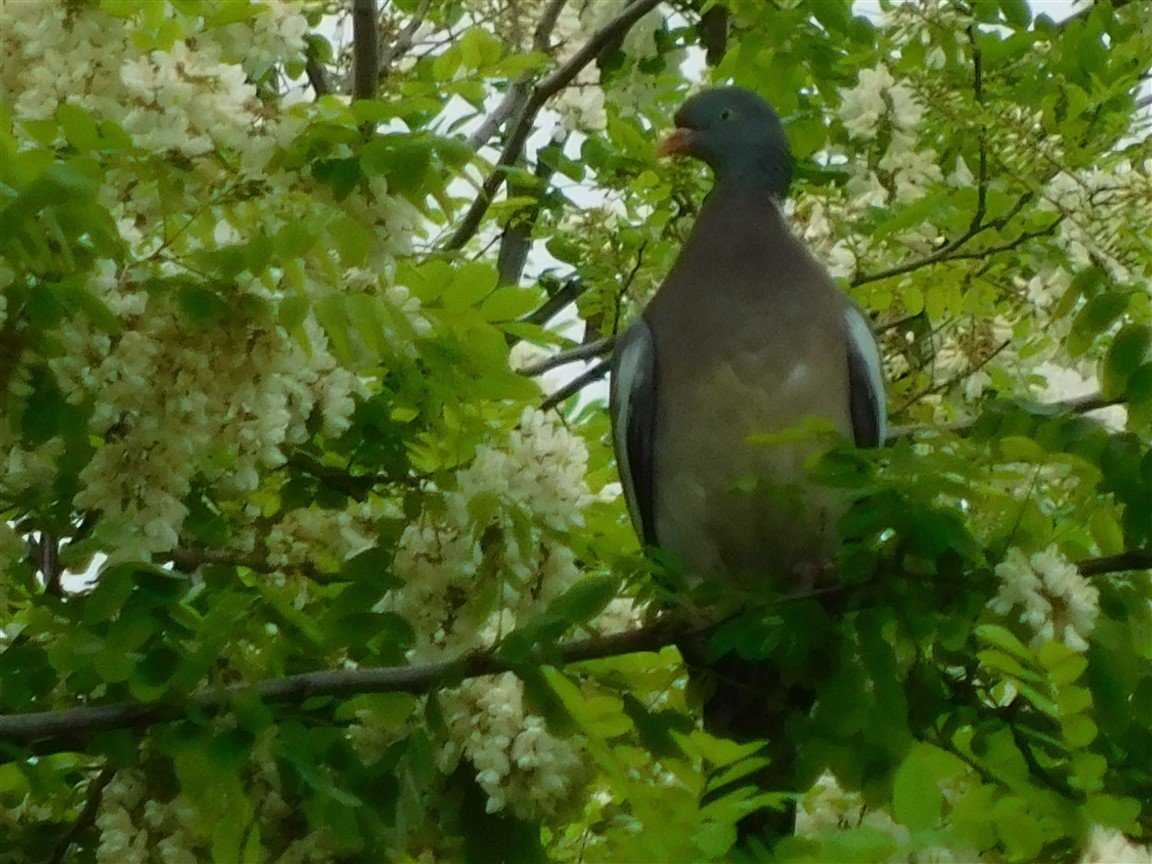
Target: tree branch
<point>87,817</point>
<point>365,49</point>
<point>1078,405</point>
<point>55,731</point>
<point>569,292</point>
<point>541,93</point>
<point>1121,563</point>
<point>949,251</point>
<point>403,41</point>
<point>574,386</point>
<point>59,731</point>
<point>572,355</point>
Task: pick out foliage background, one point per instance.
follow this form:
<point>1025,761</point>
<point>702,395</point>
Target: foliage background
<point>273,341</point>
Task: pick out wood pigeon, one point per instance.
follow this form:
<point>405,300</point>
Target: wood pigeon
<point>747,335</point>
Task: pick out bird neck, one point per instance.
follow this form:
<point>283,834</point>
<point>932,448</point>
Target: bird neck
<point>754,182</point>
<point>752,191</point>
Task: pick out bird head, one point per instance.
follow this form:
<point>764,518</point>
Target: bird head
<point>737,134</point>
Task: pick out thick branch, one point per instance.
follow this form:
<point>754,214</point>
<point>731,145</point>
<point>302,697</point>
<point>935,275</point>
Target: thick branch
<point>522,127</point>
<point>569,292</point>
<point>54,731</point>
<point>58,731</point>
<point>1121,563</point>
<point>365,49</point>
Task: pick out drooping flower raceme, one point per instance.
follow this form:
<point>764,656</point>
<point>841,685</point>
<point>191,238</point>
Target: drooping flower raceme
<point>1049,595</point>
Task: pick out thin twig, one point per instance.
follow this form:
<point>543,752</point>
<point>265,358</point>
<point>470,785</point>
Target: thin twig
<point>87,817</point>
<point>948,251</point>
<point>1078,405</point>
<point>595,373</point>
<point>403,41</point>
<point>571,355</point>
<point>522,127</point>
<point>940,386</point>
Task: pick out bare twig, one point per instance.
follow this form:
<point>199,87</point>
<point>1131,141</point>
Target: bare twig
<point>522,127</point>
<point>87,817</point>
<point>517,96</point>
<point>569,292</point>
<point>1121,563</point>
<point>365,49</point>
<point>571,355</point>
<point>950,251</point>
<point>1079,405</point>
<point>594,373</point>
<point>403,41</point>
<point>954,379</point>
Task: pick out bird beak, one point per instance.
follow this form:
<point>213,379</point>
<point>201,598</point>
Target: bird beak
<point>680,141</point>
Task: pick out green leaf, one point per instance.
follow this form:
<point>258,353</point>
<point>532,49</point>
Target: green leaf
<point>1127,352</point>
<point>202,306</point>
<point>509,303</point>
<point>1096,317</point>
<point>1139,393</point>
<point>917,799</point>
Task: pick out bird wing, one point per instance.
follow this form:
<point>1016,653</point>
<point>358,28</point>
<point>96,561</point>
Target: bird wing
<point>865,380</point>
<point>632,397</point>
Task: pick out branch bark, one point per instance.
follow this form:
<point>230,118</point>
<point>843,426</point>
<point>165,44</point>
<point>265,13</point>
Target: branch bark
<point>56,731</point>
<point>365,49</point>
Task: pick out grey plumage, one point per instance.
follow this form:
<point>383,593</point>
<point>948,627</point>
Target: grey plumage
<point>748,335</point>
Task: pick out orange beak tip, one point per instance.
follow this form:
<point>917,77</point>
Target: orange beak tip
<point>677,142</point>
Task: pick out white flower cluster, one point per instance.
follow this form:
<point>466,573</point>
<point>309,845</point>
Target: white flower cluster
<point>491,559</point>
<point>518,762</point>
<point>1053,598</point>
<point>239,397</point>
<point>878,97</point>
<point>136,831</point>
<point>1109,846</point>
<point>323,538</point>
<point>1106,216</point>
<point>879,101</point>
<point>581,104</point>
<point>238,392</point>
<point>495,556</point>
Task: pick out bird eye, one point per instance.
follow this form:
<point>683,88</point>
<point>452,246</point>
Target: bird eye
<point>725,113</point>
